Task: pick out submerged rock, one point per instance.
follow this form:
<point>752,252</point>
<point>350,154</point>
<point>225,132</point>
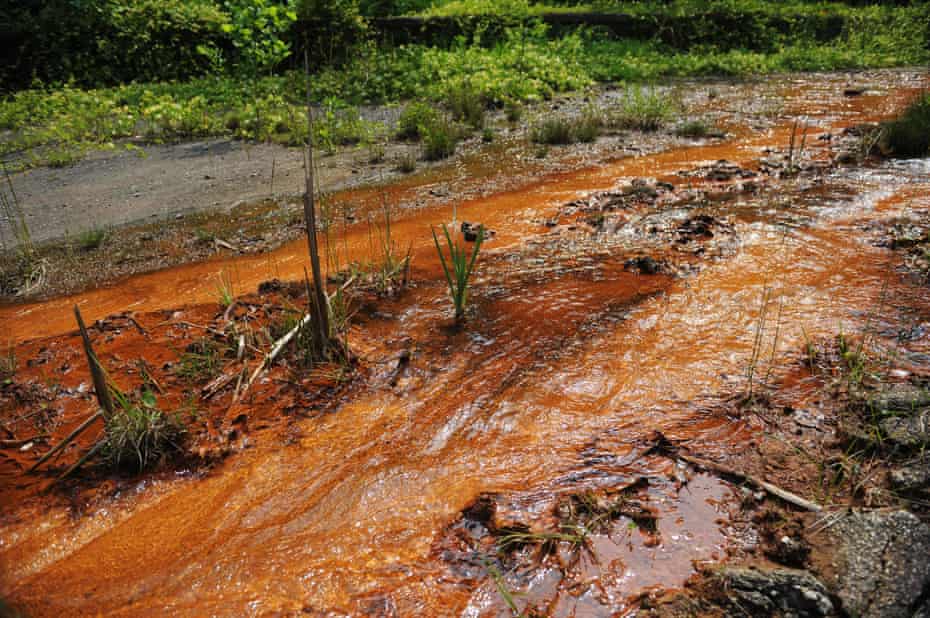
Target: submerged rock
<point>782,592</point>
<point>882,565</point>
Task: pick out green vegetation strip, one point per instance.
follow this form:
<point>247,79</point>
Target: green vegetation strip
<point>56,125</point>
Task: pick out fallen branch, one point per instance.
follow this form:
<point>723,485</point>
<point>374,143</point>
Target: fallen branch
<point>21,441</point>
<point>68,440</point>
<point>774,490</point>
<point>218,384</point>
<point>275,351</point>
<point>80,462</point>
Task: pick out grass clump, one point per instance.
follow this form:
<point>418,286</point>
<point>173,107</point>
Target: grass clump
<point>555,131</point>
<point>694,129</point>
<point>642,109</point>
<point>440,140</point>
<point>588,126</point>
<point>407,163</point>
<point>467,105</point>
<point>224,290</point>
<point>92,239</point>
<point>138,434</point>
<point>458,268</point>
<point>415,120</point>
<point>909,134</point>
<point>560,130</point>
<point>202,361</point>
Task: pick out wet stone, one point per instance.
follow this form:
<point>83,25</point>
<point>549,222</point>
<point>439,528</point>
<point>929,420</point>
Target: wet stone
<point>644,265</point>
<point>908,431</point>
<point>783,592</point>
<point>882,568</point>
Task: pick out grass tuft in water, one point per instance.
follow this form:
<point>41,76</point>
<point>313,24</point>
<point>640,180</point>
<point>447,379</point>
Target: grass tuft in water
<point>458,268</point>
<point>909,134</point>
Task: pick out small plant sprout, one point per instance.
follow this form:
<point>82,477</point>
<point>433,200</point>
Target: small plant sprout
<point>458,268</point>
<point>224,289</point>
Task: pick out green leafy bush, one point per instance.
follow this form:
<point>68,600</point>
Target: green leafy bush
<point>256,28</point>
<point>110,41</point>
<point>415,119</point>
<point>440,140</point>
<point>909,134</point>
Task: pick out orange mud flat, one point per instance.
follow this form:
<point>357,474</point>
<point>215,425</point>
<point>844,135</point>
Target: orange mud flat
<point>392,494</point>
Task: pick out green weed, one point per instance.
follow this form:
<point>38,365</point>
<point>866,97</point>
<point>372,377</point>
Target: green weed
<point>224,289</point>
<point>202,360</point>
<point>138,434</point>
<point>458,268</point>
<point>553,131</point>
<point>642,109</point>
<point>909,134</point>
<point>92,239</point>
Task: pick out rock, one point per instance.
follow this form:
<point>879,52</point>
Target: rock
<point>911,478</point>
<point>784,592</point>
<point>900,398</point>
<point>471,230</point>
<point>854,91</point>
<point>881,563</point>
<point>909,431</point>
<point>643,265</point>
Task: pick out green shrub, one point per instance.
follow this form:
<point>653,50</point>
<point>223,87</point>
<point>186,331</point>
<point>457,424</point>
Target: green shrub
<point>111,41</point>
<point>440,140</point>
<point>643,109</point>
<point>138,434</point>
<point>415,119</point>
<point>909,134</point>
<point>256,29</point>
<point>466,105</point>
<point>556,131</point>
<point>92,239</point>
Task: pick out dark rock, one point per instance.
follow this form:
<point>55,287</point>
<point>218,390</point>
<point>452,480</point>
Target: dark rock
<point>471,230</point>
<point>783,592</point>
<point>643,265</point>
<point>910,431</point>
<point>854,91</point>
<point>911,478</point>
<point>900,398</point>
<point>882,565</point>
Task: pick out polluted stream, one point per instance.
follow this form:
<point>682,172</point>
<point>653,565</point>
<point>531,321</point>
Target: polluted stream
<point>607,311</point>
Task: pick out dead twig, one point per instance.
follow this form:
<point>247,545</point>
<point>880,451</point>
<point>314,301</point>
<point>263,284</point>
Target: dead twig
<point>774,490</point>
<point>80,462</point>
<point>68,440</point>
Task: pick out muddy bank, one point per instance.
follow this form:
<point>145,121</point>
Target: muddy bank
<point>171,205</point>
<point>519,456</point>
